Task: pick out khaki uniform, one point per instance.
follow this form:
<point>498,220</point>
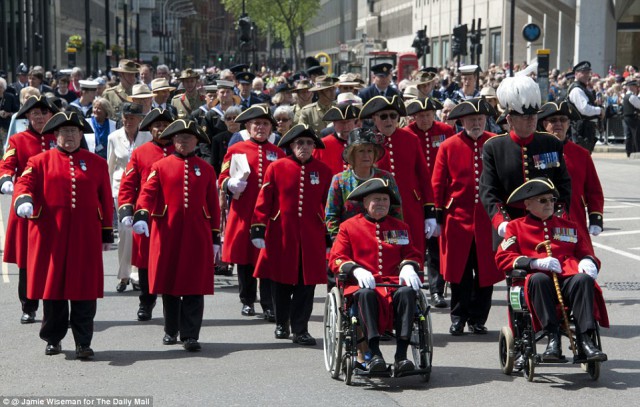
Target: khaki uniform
<point>312,115</point>
<point>186,104</point>
<point>116,96</point>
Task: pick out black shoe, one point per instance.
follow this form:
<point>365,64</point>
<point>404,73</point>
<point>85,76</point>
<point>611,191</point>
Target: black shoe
<point>169,339</point>
<point>590,350</point>
<point>376,364</point>
<point>438,300</point>
<point>282,331</point>
<point>145,312</point>
<point>457,329</point>
<point>268,315</point>
<point>84,352</point>
<point>135,286</point>
<point>122,285</point>
<point>404,365</point>
<point>28,318</point>
<point>53,349</point>
<point>191,345</point>
<point>553,351</point>
<point>248,310</point>
<point>477,328</point>
<point>304,339</point>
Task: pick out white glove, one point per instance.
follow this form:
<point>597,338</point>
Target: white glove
<point>106,247</point>
<point>547,264</point>
<point>410,278</point>
<point>216,253</point>
<point>430,226</point>
<point>141,227</point>
<point>236,186</point>
<point>364,277</point>
<point>7,188</point>
<point>587,266</point>
<point>595,230</point>
<point>25,210</point>
<point>438,230</point>
<point>258,243</point>
<point>502,229</point>
<point>127,222</point>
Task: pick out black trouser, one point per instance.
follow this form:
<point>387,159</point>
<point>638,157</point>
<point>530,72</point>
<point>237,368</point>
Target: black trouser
<point>145,297</point>
<point>436,281</point>
<point>293,303</point>
<point>248,287</point>
<point>27,304</point>
<point>470,302</point>
<point>585,134</point>
<point>404,307</point>
<point>577,292</point>
<point>631,137</point>
<point>183,315</point>
<point>56,320</point>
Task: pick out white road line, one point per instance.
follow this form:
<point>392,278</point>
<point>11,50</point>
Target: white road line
<point>617,251</point>
<point>620,219</point>
<point>617,206</point>
<point>627,232</point>
<point>634,248</point>
<point>5,268</point>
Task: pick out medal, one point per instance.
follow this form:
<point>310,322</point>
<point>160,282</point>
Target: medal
<point>272,156</point>
<point>83,165</point>
<point>315,177</point>
<point>197,170</point>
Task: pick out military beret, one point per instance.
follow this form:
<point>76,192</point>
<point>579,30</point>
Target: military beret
<point>36,102</point>
<point>470,107</point>
<point>533,187</point>
<point>422,105</point>
<point>156,115</point>
<point>182,126</point>
<point>379,103</point>
<point>64,119</point>
<point>341,111</point>
<point>297,131</point>
<point>373,186</point>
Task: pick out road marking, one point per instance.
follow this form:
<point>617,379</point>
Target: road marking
<point>617,207</point>
<point>627,232</point>
<point>617,251</point>
<point>620,219</point>
<point>5,267</point>
<point>634,248</point>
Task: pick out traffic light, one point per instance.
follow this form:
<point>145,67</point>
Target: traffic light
<point>220,58</point>
<point>459,40</point>
<point>244,25</point>
<point>421,43</point>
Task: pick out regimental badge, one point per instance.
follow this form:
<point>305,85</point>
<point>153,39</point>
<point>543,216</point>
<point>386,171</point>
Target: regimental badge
<point>52,144</point>
<point>83,165</point>
<point>569,235</point>
<point>314,176</point>
<point>197,170</point>
<point>437,140</point>
<point>272,156</point>
<point>398,237</point>
<point>508,242</point>
<point>546,160</point>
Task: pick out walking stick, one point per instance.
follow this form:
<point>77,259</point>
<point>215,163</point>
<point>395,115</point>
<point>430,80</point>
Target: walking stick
<point>565,317</point>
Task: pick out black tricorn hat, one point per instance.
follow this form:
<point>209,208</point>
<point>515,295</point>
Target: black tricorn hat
<point>284,87</point>
<point>185,126</point>
<point>471,106</point>
<point>259,111</point>
<point>422,105</point>
<point>297,131</point>
<point>156,115</point>
<point>245,77</point>
<point>361,136</point>
<point>341,111</point>
<point>532,188</point>
<point>557,109</point>
<point>373,186</point>
<point>63,119</point>
<point>36,102</point>
<point>379,103</point>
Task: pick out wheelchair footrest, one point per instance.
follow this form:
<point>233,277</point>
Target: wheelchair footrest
<point>363,372</point>
<point>413,372</point>
<point>562,359</point>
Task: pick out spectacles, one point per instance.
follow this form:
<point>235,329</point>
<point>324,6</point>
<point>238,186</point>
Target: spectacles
<point>230,119</point>
<point>282,119</point>
<point>545,201</point>
<point>302,143</point>
<point>554,120</point>
<point>385,116</point>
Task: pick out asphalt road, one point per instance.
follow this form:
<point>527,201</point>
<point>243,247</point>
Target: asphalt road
<point>242,364</point>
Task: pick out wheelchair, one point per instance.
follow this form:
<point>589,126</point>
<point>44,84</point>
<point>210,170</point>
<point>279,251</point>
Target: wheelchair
<point>342,337</point>
<point>517,342</point>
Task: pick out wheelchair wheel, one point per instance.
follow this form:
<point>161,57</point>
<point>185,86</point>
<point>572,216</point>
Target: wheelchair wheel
<point>506,350</point>
<point>333,334</point>
<point>593,368</point>
<point>529,368</point>
<point>422,340</point>
<point>347,366</point>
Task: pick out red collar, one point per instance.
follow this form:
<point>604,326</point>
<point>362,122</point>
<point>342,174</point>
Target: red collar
<point>521,141</point>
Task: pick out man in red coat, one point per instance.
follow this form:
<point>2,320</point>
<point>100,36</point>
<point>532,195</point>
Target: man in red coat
<point>66,195</point>
<point>237,248</point>
<point>288,225</point>
<point>181,199</point>
<point>22,146</point>
<point>543,244</point>
<point>465,243</point>
<point>375,248</point>
<point>344,117</point>
<point>406,162</point>
<point>431,134</point>
<point>586,191</point>
<point>134,177</point>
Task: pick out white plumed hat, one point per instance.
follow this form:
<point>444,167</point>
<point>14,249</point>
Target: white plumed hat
<point>519,95</point>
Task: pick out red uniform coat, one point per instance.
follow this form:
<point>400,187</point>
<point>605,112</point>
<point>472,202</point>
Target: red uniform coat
<point>331,154</point>
<point>586,191</point>
<point>431,139</point>
<point>524,234</point>
<point>405,161</point>
<point>289,214</point>
<point>456,179</point>
<point>181,198</point>
<point>134,177</point>
<point>22,146</point>
<point>381,247</point>
<point>72,216</point>
<point>237,247</point>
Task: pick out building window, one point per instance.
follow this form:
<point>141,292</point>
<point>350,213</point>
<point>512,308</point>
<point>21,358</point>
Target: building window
<point>446,52</point>
<point>435,53</point>
<point>496,48</point>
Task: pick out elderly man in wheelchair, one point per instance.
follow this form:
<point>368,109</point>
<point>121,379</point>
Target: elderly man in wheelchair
<point>546,249</point>
<point>375,250</point>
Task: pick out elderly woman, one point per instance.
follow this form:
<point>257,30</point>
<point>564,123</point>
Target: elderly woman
<point>102,126</point>
<point>20,124</point>
<point>373,242</point>
<point>220,142</point>
<point>283,115</point>
<point>8,106</point>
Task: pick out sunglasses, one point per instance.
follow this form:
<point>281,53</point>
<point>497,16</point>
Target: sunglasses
<point>385,116</point>
<point>545,201</point>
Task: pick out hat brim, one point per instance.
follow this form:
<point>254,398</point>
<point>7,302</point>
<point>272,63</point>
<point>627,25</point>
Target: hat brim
<point>61,119</point>
<point>297,131</point>
<point>181,126</point>
<point>368,187</point>
<point>169,88</point>
<point>123,70</point>
<point>156,115</point>
<point>380,103</point>
<point>531,189</point>
<point>40,101</point>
